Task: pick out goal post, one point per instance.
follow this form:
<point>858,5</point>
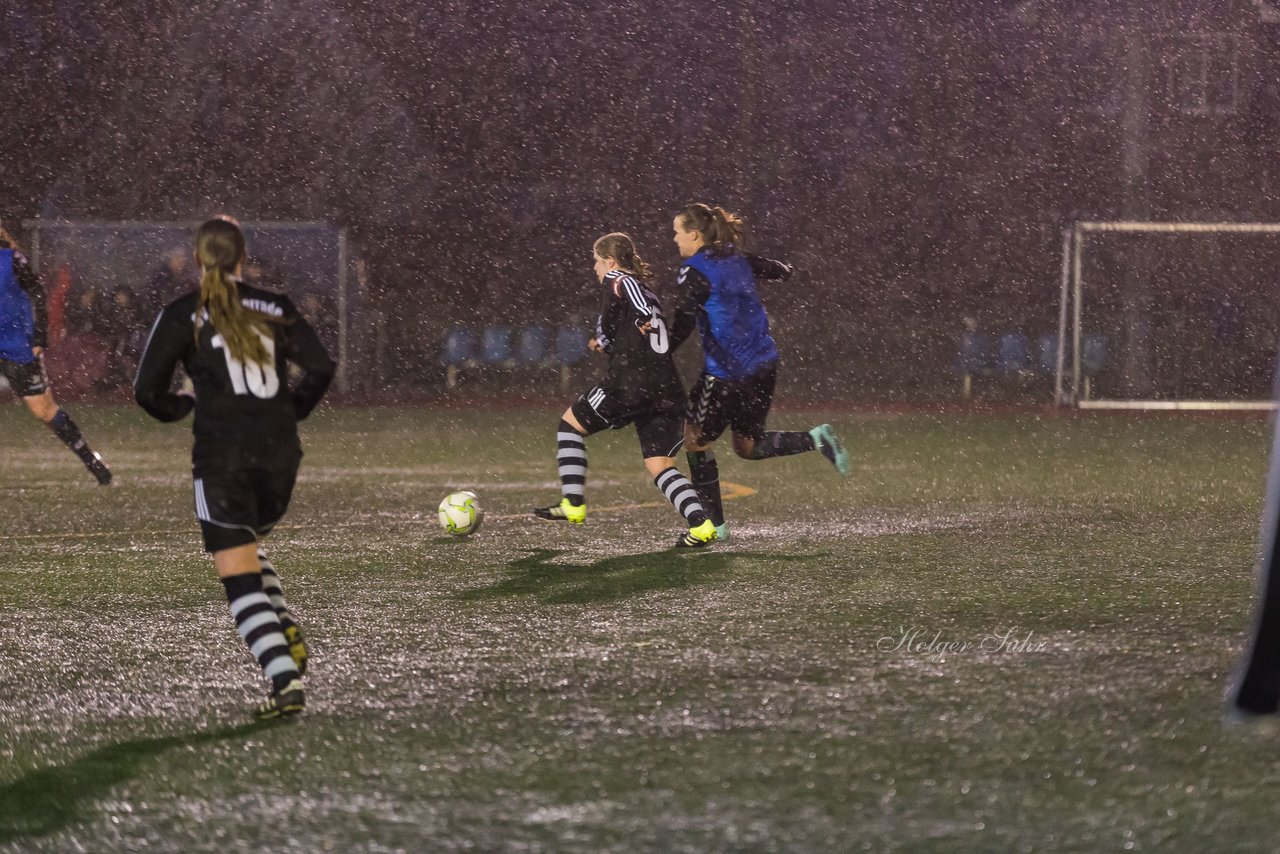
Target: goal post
<point>1197,332</point>
<point>308,260</point>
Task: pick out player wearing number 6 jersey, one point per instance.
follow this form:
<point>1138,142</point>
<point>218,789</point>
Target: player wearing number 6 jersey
<point>640,387</point>
<point>235,342</point>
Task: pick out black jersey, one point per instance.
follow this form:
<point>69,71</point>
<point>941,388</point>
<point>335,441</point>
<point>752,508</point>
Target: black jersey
<point>636,359</point>
<point>246,416</point>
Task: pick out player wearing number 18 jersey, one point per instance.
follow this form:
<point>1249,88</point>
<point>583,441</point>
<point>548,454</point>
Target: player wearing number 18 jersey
<point>234,342</point>
<point>640,387</point>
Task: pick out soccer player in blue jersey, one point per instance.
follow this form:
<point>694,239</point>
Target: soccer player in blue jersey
<point>717,287</point>
<point>640,387</point>
<point>22,341</point>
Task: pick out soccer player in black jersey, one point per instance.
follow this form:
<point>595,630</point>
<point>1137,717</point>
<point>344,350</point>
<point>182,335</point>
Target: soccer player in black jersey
<point>23,336</point>
<point>235,341</point>
<point>718,295</point>
<point>640,387</point>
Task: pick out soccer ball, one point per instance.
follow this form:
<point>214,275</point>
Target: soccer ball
<point>460,513</point>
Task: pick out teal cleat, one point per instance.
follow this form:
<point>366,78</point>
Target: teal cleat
<point>830,446</point>
<point>722,532</point>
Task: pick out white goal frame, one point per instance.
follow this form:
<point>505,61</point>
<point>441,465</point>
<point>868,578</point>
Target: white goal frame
<point>1072,297</point>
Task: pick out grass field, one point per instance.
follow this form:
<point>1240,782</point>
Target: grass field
<point>1002,633</point>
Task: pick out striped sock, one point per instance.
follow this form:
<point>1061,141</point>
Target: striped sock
<point>571,456</point>
<point>705,474</point>
<point>682,495</point>
<point>258,624</point>
<point>275,592</point>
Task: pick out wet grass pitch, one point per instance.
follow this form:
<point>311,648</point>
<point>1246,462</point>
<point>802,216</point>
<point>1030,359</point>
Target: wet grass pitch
<point>1002,633</point>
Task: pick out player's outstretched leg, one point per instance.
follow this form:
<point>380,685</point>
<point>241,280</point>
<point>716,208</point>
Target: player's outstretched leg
<point>258,624</point>
<point>66,430</point>
<point>680,492</point>
<point>785,443</point>
<point>288,623</point>
<point>571,458</point>
<point>705,474</point>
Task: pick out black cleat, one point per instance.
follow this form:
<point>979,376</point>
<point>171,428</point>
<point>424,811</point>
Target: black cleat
<point>282,704</point>
<point>98,469</point>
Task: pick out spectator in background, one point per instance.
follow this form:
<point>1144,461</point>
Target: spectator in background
<point>82,315</point>
<point>325,313</point>
<point>79,363</point>
<point>121,327</point>
<point>171,279</point>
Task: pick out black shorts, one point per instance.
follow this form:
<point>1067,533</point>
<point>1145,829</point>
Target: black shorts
<point>656,415</point>
<point>26,379</point>
<point>238,506</point>
<point>715,404</point>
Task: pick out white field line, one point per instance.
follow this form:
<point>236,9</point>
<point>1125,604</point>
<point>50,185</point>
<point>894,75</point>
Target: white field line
<point>729,492</point>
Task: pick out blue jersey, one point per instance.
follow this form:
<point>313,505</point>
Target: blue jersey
<point>734,328</point>
<point>17,316</point>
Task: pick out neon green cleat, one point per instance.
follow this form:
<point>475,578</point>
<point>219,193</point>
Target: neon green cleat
<point>563,512</point>
<point>698,537</point>
<point>830,446</point>
<point>283,703</point>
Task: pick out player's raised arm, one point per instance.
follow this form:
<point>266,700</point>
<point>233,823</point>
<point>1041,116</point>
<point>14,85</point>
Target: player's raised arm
<point>304,349</point>
<point>170,336</point>
<point>767,268</point>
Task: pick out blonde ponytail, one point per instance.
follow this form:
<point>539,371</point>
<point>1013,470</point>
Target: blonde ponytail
<point>220,248</point>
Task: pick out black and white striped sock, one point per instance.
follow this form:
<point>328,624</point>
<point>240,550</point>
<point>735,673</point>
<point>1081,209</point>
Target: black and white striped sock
<point>682,495</point>
<point>275,592</point>
<point>571,457</point>
<point>258,624</point>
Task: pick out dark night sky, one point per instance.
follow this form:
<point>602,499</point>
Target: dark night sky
<point>914,160</point>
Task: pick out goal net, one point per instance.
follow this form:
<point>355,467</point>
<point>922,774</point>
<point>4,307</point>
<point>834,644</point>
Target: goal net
<point>153,261</point>
<point>1169,315</point>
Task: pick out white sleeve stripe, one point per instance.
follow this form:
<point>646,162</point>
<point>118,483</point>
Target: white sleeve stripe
<point>636,295</point>
<point>145,347</point>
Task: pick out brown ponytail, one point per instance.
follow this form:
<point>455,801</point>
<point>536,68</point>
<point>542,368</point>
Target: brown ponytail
<point>720,230</point>
<point>620,248</point>
<point>220,249</point>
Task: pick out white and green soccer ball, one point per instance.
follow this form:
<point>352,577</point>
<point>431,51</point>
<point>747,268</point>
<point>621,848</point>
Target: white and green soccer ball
<point>460,513</point>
